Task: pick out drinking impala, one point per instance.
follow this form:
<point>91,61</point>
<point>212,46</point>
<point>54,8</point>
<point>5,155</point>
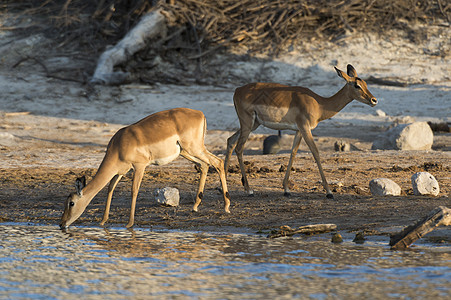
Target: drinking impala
<point>157,139</point>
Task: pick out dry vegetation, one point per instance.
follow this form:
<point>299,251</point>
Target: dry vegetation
<point>198,29</point>
<point>202,26</point>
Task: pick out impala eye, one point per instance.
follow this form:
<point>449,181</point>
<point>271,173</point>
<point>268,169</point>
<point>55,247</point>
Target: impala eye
<point>357,86</point>
<point>71,203</point>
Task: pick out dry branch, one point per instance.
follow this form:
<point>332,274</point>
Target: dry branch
<point>48,73</point>
<point>308,229</point>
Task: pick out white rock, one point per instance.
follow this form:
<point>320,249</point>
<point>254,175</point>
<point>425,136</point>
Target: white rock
<point>7,139</point>
<point>414,136</point>
<point>423,183</point>
<point>6,136</point>
<point>168,196</point>
<point>384,187</point>
<point>380,113</point>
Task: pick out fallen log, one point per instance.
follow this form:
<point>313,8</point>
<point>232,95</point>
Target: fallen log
<point>308,229</point>
<point>387,82</point>
<point>439,216</point>
<point>151,25</point>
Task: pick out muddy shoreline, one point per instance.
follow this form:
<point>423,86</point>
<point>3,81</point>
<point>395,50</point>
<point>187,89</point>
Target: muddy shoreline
<point>36,195</point>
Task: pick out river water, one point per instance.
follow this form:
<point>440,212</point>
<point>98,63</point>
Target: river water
<point>43,262</point>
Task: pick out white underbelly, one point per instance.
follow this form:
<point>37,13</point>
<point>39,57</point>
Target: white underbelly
<point>165,158</point>
<point>276,125</point>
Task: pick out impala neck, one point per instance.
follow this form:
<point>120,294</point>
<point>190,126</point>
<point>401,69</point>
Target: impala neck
<point>332,105</point>
<point>104,174</point>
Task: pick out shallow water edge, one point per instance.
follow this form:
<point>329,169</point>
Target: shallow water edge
<point>43,262</point>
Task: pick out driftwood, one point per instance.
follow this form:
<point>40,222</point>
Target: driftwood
<point>439,216</point>
<point>308,229</point>
<point>387,82</point>
<point>48,73</point>
<point>151,25</point>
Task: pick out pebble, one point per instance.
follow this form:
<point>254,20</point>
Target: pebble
<point>337,238</point>
<point>359,238</point>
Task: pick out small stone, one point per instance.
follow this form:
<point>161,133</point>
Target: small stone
<point>168,196</point>
<point>271,144</point>
<point>380,113</point>
<point>359,238</point>
<point>336,183</point>
<point>7,139</point>
<point>384,187</point>
<point>336,238</point>
<point>423,183</point>
<point>342,146</point>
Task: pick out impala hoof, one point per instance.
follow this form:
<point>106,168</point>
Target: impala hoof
<point>330,196</point>
<point>287,194</point>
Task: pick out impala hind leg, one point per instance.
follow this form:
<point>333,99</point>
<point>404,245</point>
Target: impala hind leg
<point>243,135</point>
<point>307,134</point>
<point>239,154</point>
<point>137,179</point>
<point>294,150</point>
<point>231,144</point>
<point>111,187</point>
<point>204,160</point>
<point>218,164</point>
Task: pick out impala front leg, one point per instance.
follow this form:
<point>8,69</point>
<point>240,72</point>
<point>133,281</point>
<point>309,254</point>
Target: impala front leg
<point>294,150</point>
<point>307,134</point>
<point>137,178</point>
<point>111,187</point>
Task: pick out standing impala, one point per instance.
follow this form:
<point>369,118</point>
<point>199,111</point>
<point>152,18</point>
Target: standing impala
<point>157,139</point>
<point>280,107</point>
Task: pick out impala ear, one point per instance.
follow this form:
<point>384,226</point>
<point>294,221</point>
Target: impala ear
<point>342,74</point>
<point>351,71</point>
<point>80,183</point>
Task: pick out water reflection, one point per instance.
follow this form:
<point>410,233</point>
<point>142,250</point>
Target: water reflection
<point>44,262</point>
